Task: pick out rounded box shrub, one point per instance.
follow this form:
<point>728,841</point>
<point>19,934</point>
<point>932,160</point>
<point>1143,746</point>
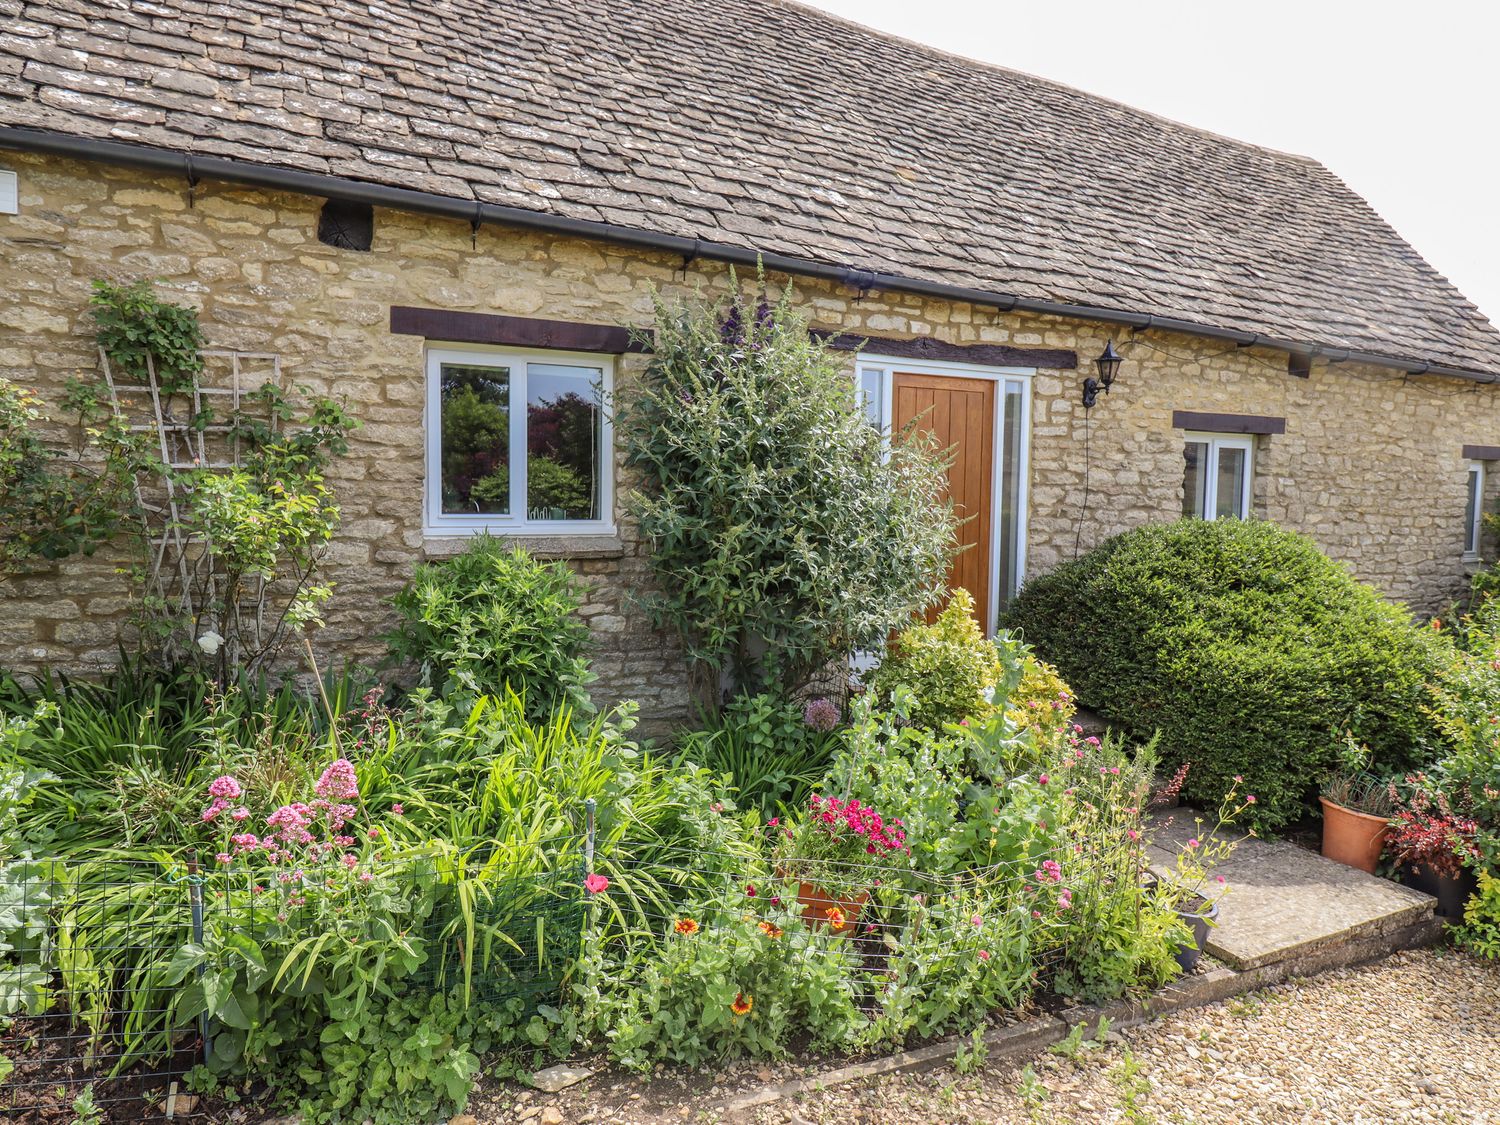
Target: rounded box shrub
<point>1249,650</point>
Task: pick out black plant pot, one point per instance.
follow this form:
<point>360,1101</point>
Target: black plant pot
<point>1451,891</point>
<point>1198,920</point>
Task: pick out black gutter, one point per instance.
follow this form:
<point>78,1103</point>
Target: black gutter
<point>195,168</point>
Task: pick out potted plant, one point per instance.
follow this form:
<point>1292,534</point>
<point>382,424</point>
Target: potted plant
<point>834,854</point>
<point>1433,845</point>
<point>1356,810</point>
<point>1190,888</point>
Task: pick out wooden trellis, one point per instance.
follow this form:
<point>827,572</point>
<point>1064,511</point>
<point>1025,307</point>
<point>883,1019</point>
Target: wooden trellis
<point>198,426</point>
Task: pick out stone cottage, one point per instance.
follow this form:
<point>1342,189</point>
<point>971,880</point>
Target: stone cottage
<point>411,204</point>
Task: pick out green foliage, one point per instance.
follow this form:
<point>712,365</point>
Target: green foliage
<point>761,742</point>
<point>729,989</point>
<point>493,620</point>
<point>782,536</point>
<point>1466,709</point>
<point>52,506</point>
<point>1245,646</point>
<point>136,327</point>
<point>1480,932</point>
<point>951,670</point>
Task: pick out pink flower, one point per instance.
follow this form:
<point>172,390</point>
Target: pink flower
<point>1043,779</point>
<point>1036,913</point>
<point>224,786</point>
<point>1193,843</point>
<point>775,900</point>
<point>213,810</point>
<point>1250,800</point>
<point>338,782</point>
<point>365,876</point>
<point>350,861</point>
<point>750,889</point>
<point>717,806</point>
<point>984,954</point>
<point>374,833</point>
<point>1133,834</point>
<point>1218,879</point>
<point>223,857</point>
<point>596,884</point>
<point>1238,779</point>
<point>773,822</point>
<point>397,809</point>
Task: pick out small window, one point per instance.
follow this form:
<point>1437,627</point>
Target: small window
<point>872,396</point>
<point>1217,472</point>
<point>1474,510</point>
<point>494,465</point>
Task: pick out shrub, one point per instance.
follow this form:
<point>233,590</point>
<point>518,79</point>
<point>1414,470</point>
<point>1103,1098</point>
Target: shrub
<point>767,746</point>
<point>493,620</point>
<point>1246,647</point>
<point>1480,932</point>
<point>949,668</point>
<point>1466,708</point>
<point>783,533</point>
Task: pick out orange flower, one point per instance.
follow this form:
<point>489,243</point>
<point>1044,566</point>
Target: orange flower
<point>835,917</point>
<point>770,930</point>
<point>686,926</point>
<point>742,1004</point>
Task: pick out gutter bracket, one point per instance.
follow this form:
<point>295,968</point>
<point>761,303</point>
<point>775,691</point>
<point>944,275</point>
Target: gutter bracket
<point>192,179</point>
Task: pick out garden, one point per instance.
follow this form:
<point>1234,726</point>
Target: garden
<point>234,873</point>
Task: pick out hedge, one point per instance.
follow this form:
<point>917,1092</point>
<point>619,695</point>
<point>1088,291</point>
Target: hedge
<point>1249,650</point>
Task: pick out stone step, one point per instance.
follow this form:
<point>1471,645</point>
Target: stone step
<point>1281,902</point>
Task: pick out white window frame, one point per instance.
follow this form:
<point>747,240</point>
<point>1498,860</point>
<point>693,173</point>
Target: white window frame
<point>438,523</point>
<point>884,367</point>
<point>1474,520</point>
<point>1216,442</point>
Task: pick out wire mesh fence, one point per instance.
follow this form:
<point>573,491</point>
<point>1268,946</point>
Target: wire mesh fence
<point>97,1017</point>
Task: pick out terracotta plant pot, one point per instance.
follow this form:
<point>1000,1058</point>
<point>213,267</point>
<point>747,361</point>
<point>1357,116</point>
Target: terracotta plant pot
<point>816,904</point>
<point>1352,838</point>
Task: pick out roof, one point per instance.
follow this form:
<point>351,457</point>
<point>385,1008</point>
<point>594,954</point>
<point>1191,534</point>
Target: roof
<point>759,123</point>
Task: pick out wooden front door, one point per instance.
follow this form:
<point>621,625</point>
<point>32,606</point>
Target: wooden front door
<point>960,413</point>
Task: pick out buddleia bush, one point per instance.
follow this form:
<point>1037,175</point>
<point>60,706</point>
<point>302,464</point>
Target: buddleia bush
<point>1251,651</point>
<point>782,537</point>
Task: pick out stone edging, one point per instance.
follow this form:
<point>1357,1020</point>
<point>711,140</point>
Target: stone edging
<point>1030,1036</point>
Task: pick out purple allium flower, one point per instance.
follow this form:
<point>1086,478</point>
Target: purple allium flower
<point>821,714</point>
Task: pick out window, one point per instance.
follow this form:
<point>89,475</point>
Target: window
<point>1216,476</point>
<point>492,467</point>
<point>1474,511</point>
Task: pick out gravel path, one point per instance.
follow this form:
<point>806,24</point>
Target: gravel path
<point>1414,1038</point>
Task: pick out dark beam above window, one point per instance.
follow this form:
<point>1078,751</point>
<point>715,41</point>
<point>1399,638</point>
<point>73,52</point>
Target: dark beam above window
<point>1482,453</point>
<point>1227,423</point>
<point>925,347</point>
<point>514,331</point>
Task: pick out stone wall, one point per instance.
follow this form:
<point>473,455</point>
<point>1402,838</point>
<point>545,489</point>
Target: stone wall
<point>1370,464</point>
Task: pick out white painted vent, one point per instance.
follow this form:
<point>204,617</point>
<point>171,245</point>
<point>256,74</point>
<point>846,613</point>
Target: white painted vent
<point>9,193</point>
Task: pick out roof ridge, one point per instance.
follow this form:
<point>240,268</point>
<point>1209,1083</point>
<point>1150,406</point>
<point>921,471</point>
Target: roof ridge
<point>1053,83</point>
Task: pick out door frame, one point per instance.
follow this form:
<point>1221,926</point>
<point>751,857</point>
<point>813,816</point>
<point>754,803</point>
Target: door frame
<point>888,365</point>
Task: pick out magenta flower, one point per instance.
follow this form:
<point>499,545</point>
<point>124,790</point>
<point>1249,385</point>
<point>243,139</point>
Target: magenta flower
<point>397,809</point>
<point>240,813</point>
<point>596,884</point>
<point>1043,779</point>
<point>224,786</point>
<point>338,782</point>
<point>984,954</point>
<point>1193,843</point>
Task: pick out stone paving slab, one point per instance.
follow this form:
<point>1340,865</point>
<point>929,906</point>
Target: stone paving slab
<point>1281,901</point>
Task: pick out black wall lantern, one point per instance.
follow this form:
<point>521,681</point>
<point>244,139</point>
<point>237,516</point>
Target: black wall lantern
<point>1109,366</point>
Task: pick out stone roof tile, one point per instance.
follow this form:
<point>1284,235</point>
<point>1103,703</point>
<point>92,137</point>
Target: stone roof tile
<point>756,122</point>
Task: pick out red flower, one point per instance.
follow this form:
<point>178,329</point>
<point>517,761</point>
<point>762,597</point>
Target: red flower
<point>595,884</point>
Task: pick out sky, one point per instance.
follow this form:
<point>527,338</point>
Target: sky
<point>1400,100</point>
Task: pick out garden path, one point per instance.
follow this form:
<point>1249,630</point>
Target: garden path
<point>1281,901</point>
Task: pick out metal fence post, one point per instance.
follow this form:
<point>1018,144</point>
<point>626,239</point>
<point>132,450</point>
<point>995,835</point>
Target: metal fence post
<point>588,838</point>
<point>195,898</point>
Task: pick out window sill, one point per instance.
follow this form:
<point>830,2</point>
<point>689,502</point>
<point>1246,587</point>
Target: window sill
<point>543,546</point>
